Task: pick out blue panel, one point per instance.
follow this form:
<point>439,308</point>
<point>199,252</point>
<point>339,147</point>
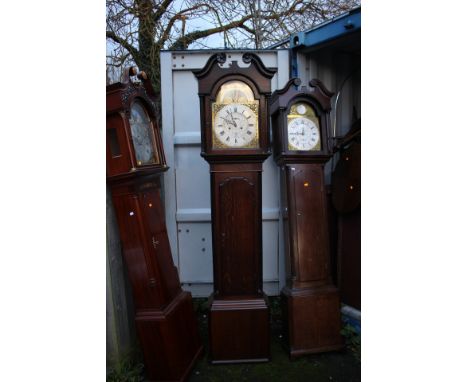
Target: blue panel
<point>330,30</point>
<point>356,324</point>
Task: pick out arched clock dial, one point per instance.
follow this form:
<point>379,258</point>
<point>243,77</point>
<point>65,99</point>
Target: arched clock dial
<point>303,128</point>
<point>142,134</point>
<point>235,125</point>
<point>235,117</point>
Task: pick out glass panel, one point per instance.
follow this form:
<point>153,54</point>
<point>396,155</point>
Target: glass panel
<point>142,135</point>
<point>235,91</point>
<point>113,142</point>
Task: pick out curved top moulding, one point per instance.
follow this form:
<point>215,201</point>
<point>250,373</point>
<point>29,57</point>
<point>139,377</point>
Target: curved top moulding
<point>213,71</point>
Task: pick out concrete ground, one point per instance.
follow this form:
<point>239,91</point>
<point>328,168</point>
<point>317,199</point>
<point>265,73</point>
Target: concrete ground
<point>341,366</point>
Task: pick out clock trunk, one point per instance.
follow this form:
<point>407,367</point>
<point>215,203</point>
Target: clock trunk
<point>310,301</point>
<point>239,312</point>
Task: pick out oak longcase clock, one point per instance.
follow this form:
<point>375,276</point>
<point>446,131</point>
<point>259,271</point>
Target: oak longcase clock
<point>310,301</point>
<point>164,316</point>
<point>235,142</point>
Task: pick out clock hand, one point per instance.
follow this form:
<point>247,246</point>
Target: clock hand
<point>227,120</point>
<point>232,118</point>
<point>233,122</point>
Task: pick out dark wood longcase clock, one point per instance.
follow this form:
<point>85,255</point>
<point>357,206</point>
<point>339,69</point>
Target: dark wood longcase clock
<point>164,317</point>
<point>235,142</point>
<point>310,301</point>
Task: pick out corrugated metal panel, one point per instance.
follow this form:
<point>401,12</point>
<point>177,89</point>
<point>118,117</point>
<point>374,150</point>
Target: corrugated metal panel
<point>340,72</point>
<point>338,67</point>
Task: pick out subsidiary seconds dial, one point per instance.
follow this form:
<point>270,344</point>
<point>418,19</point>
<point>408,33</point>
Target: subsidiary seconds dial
<point>303,134</point>
<point>235,125</point>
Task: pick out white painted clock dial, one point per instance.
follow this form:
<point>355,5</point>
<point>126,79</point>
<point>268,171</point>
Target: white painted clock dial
<point>303,134</point>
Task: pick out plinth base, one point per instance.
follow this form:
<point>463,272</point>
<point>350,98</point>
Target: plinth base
<point>239,330</point>
<point>311,320</point>
<point>169,340</point>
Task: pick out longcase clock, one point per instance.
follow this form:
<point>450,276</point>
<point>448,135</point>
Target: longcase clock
<point>310,301</point>
<point>235,142</point>
<point>164,317</point>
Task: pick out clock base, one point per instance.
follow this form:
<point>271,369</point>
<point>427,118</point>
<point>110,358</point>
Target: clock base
<point>169,340</point>
<point>239,330</point>
<point>311,319</point>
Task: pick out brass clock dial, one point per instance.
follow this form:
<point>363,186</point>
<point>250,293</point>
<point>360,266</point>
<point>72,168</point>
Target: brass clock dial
<point>235,117</point>
<point>303,128</point>
<point>235,125</point>
<point>142,135</point>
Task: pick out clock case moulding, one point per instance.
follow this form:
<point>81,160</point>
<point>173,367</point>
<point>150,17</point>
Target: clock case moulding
<point>210,79</point>
<point>310,302</point>
<point>119,98</point>
<point>280,103</point>
<point>238,307</point>
<point>164,316</point>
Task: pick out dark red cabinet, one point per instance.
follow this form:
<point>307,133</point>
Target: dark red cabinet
<point>164,315</point>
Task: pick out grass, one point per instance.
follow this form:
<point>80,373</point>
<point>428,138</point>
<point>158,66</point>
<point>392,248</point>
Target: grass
<point>128,369</point>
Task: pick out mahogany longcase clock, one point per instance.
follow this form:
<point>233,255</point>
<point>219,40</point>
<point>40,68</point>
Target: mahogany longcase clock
<point>164,317</point>
<point>310,301</point>
<point>235,142</point>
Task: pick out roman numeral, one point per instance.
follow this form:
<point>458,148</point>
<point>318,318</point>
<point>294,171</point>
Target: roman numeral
<point>249,132</point>
<point>227,139</point>
<point>221,132</point>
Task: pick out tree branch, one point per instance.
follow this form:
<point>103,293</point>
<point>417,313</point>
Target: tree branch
<point>178,16</point>
<point>161,10</point>
<point>191,37</point>
<point>120,62</point>
<point>130,48</point>
<point>186,40</point>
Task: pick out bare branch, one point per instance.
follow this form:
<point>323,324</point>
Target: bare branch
<point>137,30</point>
<point>189,38</point>
<point>130,48</point>
<point>161,9</point>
